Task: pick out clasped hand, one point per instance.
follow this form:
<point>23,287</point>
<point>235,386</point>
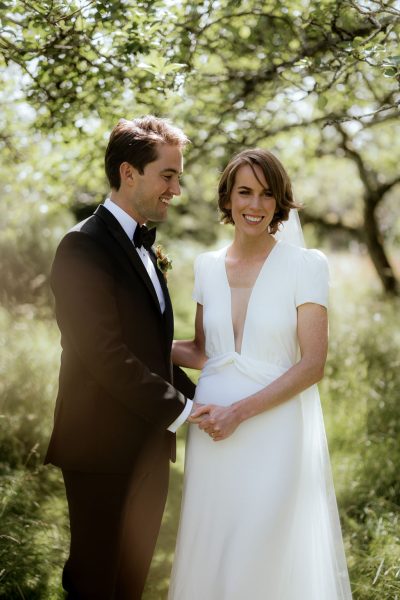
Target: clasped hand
<point>218,421</point>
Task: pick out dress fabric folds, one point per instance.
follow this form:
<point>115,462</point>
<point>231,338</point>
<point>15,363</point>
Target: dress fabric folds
<point>259,517</point>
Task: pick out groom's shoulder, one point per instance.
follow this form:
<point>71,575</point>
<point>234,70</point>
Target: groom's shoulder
<point>82,225</point>
<point>92,225</point>
<point>91,229</point>
<point>86,237</point>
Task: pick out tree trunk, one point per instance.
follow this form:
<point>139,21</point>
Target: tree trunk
<point>376,249</point>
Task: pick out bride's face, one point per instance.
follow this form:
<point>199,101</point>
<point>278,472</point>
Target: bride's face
<point>251,202</point>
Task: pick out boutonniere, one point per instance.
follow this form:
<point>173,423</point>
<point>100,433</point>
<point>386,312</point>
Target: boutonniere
<point>164,263</point>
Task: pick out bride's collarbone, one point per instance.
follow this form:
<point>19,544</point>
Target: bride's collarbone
<point>243,273</point>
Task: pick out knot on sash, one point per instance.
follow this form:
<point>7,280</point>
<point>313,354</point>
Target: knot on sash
<point>261,371</point>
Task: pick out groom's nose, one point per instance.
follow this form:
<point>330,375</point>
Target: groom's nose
<point>175,187</point>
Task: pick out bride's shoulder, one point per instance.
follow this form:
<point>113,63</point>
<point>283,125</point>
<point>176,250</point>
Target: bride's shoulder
<point>210,257</point>
<point>304,262</point>
<point>304,255</point>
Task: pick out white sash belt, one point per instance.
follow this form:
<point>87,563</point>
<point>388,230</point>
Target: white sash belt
<point>258,370</point>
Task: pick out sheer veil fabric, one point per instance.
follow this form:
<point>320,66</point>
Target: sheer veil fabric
<point>317,497</point>
<point>291,231</point>
<point>259,517</point>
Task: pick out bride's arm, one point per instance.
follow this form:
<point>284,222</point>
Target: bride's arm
<point>312,331</point>
<point>191,353</point>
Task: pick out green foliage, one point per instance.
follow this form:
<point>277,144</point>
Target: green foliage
<point>29,366</point>
<point>27,245</point>
<point>360,394</point>
<point>289,76</point>
<point>74,53</point>
<point>33,534</point>
<point>32,509</point>
<point>231,72</point>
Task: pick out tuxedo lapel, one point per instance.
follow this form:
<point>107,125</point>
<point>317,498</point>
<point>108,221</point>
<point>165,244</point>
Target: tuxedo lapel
<point>122,239</point>
<point>168,313</point>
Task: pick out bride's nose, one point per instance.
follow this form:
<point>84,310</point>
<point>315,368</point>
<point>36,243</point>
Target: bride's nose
<point>255,201</point>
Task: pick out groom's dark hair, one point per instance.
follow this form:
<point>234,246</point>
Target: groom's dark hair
<point>136,142</point>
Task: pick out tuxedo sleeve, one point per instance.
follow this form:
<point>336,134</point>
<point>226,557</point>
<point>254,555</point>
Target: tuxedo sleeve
<point>182,382</point>
<point>87,313</point>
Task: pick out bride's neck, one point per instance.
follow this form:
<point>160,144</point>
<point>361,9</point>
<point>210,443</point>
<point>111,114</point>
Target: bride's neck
<point>251,247</point>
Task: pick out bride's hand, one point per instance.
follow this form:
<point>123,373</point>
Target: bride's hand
<point>219,421</point>
<point>198,413</point>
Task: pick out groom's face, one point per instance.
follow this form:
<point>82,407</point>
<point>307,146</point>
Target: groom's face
<point>153,190</point>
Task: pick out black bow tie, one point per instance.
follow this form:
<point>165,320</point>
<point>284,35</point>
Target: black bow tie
<point>144,237</point>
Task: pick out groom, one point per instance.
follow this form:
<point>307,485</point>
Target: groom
<point>120,400</point>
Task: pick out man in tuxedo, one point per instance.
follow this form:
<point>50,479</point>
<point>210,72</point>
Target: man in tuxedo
<point>120,400</point>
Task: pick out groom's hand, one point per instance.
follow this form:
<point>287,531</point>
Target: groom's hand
<point>199,412</point>
<point>220,421</point>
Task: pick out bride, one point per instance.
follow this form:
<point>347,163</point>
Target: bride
<point>259,519</point>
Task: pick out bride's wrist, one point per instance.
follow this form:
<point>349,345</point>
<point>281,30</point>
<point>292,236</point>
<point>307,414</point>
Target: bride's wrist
<point>247,408</point>
<point>239,411</point>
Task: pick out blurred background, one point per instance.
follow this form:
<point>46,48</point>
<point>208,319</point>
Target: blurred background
<point>316,82</point>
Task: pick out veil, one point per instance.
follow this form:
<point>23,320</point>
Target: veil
<point>290,231</point>
<point>318,524</point>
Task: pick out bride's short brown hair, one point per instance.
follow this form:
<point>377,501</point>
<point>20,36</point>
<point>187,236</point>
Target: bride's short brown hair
<point>275,175</point>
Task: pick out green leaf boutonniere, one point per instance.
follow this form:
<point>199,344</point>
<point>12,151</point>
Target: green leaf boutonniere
<point>164,263</point>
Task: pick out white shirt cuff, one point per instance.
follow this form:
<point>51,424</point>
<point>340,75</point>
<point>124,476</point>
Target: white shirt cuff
<point>182,417</point>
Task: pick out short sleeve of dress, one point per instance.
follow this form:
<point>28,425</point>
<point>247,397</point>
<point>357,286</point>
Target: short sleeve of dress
<point>198,279</point>
<point>312,278</point>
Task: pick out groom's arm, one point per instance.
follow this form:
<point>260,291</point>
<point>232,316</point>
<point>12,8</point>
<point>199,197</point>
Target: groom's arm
<point>86,307</point>
<point>182,382</point>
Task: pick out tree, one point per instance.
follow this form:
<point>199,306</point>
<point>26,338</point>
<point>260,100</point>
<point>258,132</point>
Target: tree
<point>235,74</point>
<point>277,69</point>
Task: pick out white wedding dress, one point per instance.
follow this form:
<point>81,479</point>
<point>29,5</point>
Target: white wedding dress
<point>259,519</point>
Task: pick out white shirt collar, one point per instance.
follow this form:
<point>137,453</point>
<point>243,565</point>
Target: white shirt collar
<point>127,223</point>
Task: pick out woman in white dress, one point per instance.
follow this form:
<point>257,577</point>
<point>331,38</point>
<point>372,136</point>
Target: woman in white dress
<point>259,519</point>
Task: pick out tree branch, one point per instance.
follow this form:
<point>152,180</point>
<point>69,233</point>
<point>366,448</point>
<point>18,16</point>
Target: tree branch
<point>368,177</point>
<point>359,118</point>
<point>385,187</point>
<point>332,226</point>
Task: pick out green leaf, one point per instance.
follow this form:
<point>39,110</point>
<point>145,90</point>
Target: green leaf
<point>391,61</point>
<point>390,72</point>
<point>245,32</point>
<point>358,41</point>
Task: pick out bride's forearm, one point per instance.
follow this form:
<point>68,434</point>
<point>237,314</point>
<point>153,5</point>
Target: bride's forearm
<point>312,331</point>
<point>297,379</point>
<point>186,353</point>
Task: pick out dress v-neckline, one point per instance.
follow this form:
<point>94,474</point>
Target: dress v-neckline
<point>263,266</point>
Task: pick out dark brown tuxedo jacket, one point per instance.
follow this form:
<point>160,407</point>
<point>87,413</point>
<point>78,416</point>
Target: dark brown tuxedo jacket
<point>117,390</point>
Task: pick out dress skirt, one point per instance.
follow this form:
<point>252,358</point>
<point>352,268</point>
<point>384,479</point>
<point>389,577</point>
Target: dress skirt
<point>255,521</point>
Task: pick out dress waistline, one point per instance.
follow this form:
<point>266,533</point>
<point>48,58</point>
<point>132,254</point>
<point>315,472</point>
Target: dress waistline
<point>258,370</point>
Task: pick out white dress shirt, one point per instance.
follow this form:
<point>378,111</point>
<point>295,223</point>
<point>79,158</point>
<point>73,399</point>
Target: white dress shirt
<point>129,225</point>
